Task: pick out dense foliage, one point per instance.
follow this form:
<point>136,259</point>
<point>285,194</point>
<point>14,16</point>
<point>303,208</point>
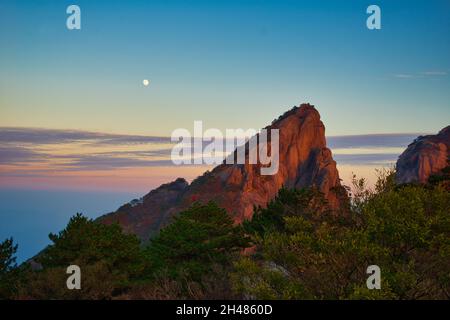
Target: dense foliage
<point>108,258</point>
<point>199,238</point>
<point>8,267</point>
<point>295,248</point>
<point>305,254</point>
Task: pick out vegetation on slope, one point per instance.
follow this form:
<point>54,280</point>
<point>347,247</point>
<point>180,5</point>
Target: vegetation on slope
<point>296,248</point>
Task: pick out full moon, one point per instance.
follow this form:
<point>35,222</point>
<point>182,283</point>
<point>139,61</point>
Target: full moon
<point>145,82</point>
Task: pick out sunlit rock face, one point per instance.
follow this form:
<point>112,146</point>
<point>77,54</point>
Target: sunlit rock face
<point>425,156</point>
<point>304,161</point>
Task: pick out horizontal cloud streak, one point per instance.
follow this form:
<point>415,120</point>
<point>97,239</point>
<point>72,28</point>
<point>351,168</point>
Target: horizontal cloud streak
<point>17,154</point>
<point>366,159</point>
<point>424,74</point>
<point>55,136</point>
<point>50,150</point>
<point>371,140</point>
<point>108,162</point>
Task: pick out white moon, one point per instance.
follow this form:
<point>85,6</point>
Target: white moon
<point>145,82</point>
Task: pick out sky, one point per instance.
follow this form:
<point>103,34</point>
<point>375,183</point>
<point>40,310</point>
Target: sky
<point>228,63</point>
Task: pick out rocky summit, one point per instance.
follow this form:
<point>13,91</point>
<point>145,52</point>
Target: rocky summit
<point>425,156</point>
<point>304,161</point>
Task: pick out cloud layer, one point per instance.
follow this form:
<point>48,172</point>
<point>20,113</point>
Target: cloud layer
<point>67,159</point>
<point>100,151</point>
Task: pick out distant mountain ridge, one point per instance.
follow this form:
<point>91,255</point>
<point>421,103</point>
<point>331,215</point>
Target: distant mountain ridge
<point>304,161</point>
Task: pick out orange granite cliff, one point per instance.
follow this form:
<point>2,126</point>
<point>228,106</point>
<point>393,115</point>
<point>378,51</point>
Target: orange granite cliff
<point>304,161</point>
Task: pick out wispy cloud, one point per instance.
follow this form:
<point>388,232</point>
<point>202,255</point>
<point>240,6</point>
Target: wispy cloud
<point>376,159</point>
<point>371,140</point>
<point>17,154</point>
<point>435,73</point>
<point>423,74</point>
<point>404,76</point>
<point>101,162</point>
<point>55,136</point>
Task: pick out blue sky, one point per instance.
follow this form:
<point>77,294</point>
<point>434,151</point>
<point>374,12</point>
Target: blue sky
<point>228,63</point>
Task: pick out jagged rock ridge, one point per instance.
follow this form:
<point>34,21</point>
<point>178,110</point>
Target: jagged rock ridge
<point>304,161</point>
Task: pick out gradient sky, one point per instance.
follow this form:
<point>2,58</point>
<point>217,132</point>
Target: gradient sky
<point>229,63</point>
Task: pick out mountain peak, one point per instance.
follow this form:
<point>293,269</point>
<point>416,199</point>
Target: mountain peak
<point>302,110</point>
<point>304,161</point>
